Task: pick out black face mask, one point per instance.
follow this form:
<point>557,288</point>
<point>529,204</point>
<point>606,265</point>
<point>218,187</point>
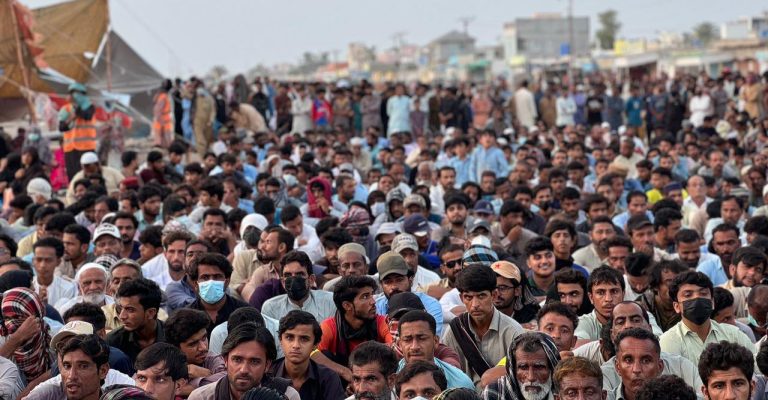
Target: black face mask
<point>296,287</point>
<point>697,310</point>
<point>545,205</point>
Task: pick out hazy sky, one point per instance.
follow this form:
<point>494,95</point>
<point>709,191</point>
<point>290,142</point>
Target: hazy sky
<point>190,36</point>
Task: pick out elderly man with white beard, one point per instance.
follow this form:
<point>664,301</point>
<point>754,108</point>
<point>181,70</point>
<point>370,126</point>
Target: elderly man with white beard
<point>531,362</point>
<point>91,281</point>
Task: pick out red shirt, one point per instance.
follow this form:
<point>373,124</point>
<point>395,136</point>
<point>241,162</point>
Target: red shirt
<point>328,341</point>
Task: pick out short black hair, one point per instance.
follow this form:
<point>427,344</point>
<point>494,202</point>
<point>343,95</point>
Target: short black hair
<point>690,278</point>
<point>147,192</point>
<point>50,242</point>
<point>336,237</point>
<point>758,225</point>
<point>11,244</point>
<point>348,287</point>
<point>456,198</point>
<point>215,212</point>
<point>638,333</point>
<point>374,352</point>
<point>724,356</point>
<point>183,324</point>
<point>297,256</point>
<point>476,279</point>
<point>556,307</point>
<point>512,206</point>
<point>605,274</point>
<point>215,259</point>
<point>289,213</point>
<point>174,361</point>
<point>420,315</point>
<point>665,387</point>
<point>90,313</point>
<point>665,217</point>
<point>148,291</point>
<point>91,345</point>
<point>82,233</point>
<point>592,199</point>
<point>152,235</point>
<point>537,244</point>
<point>59,222</point>
<point>243,315</point>
<point>299,317</point>
<point>128,157</point>
<point>419,367</point>
<point>250,332</point>
<point>675,266</point>
<point>750,256</point>
<point>638,264</point>
<point>723,299</point>
<point>687,236</point>
<point>213,187</point>
<point>559,225</point>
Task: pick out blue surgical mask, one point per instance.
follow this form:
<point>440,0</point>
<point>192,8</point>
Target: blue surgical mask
<point>211,291</point>
<point>33,137</point>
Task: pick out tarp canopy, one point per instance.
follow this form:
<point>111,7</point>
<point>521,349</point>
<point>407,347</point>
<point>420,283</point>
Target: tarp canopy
<point>16,22</point>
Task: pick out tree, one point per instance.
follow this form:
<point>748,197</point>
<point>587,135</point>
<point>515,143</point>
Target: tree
<point>705,33</point>
<point>609,29</point>
<point>217,72</point>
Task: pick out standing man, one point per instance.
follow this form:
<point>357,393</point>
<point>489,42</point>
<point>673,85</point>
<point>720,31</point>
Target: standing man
<point>297,278</point>
<point>204,115</point>
<point>525,105</point>
<point>398,111</point>
<point>248,352</point>
<point>482,334</point>
<point>139,303</point>
<point>162,120</point>
<point>78,126</point>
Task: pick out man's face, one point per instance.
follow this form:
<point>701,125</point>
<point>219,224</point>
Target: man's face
<point>246,365</point>
<point>396,208</point>
<point>562,241</point>
<point>625,316</point>
<point>99,211</point>
<point>637,361</point>
<point>193,252</point>
<point>605,296</point>
<point>107,244</point>
<point>348,189</point>
<point>571,294</point>
<point>689,253</point>
<point>642,239</point>
<point>506,292</point>
<point>80,377</point>
<point>174,254</point>
<point>450,264</point>
<point>92,282</point>
<point>423,385</point>
<point>352,264</point>
<point>214,226</point>
<point>157,383</point>
<point>730,211</point>
<point>716,161</point>
<point>45,262</point>
<point>393,284</point>
<point>542,263</point>
<point>676,196</point>
<point>638,205</point>
<point>558,184</point>
<point>746,275</point>
<point>560,329</point>
<point>411,258</point>
<point>725,244</point>
<point>126,228</point>
<point>600,233</point>
<point>597,210</point>
<point>479,305</point>
<point>639,284</point>
<point>268,247</point>
<point>457,214</point>
<point>195,348</point>
<point>298,343</point>
<point>510,221</point>
<point>417,342</point>
<point>689,292</point>
<point>369,383</point>
<point>151,207</point>
<point>663,291</point>
<point>447,179</point>
<point>543,198</point>
<point>728,384</point>
<point>487,183</point>
<point>533,374</point>
<point>580,386</point>
<point>120,275</point>
<point>364,305</point>
<point>132,314</point>
<point>570,207</point>
<point>295,226</point>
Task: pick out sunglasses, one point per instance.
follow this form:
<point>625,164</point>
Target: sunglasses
<point>453,263</point>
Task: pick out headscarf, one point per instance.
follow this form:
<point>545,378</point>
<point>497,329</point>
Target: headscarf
<point>15,279</point>
<point>31,357</point>
<point>314,210</point>
<point>356,220</point>
<point>507,387</point>
<point>263,393</point>
<point>124,392</point>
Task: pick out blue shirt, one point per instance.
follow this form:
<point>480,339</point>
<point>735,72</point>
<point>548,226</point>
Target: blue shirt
<point>711,266</point>
<point>463,169</point>
<point>179,294</point>
<point>491,159</point>
<point>634,107</point>
<point>431,305</point>
<point>621,219</point>
<point>456,378</point>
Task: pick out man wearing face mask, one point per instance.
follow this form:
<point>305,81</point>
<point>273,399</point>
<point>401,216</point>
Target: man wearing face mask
<point>78,127</point>
<point>210,275</point>
<point>691,294</point>
<point>297,278</point>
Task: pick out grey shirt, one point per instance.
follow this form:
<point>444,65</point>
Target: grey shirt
<point>319,303</point>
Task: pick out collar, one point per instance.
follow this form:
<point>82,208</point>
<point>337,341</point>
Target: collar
<point>714,327</point>
<point>312,372</point>
<point>618,392</point>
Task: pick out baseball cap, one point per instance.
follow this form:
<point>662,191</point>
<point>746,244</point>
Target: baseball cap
<point>484,207</point>
<point>479,223</point>
<point>106,229</point>
<point>351,248</point>
<point>89,158</point>
<point>70,329</point>
<point>401,303</point>
<point>391,263</point>
<point>387,228</point>
<point>414,199</point>
<point>404,241</point>
<point>638,222</point>
<point>416,225</point>
<point>347,167</point>
<point>507,270</point>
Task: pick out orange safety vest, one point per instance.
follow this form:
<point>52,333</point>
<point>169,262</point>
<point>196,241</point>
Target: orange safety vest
<point>164,122</point>
<point>82,136</point>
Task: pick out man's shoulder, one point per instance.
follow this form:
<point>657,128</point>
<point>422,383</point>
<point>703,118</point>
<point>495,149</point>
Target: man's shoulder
<point>272,302</point>
<point>322,295</point>
<point>507,323</point>
<point>47,391</point>
<point>204,392</point>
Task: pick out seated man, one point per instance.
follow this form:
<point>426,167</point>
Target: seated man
<point>90,313</point>
<point>353,260</point>
<point>187,330</point>
<point>161,371</point>
<point>248,353</point>
<point>417,339</point>
<point>746,270</point>
<point>571,289</point>
<point>482,320</point>
<point>420,379</point>
<point>91,281</point>
<point>691,294</point>
<point>657,300</point>
<point>577,377</point>
<point>139,301</point>
<point>637,360</point>
<point>396,277</point>
<point>210,275</point>
<point>238,317</point>
<point>726,371</point>
<point>299,335</point>
<point>297,278</point>
<point>531,362</point>
<point>373,367</point>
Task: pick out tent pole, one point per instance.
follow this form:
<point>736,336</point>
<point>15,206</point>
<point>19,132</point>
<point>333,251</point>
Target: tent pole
<point>109,51</point>
<point>25,75</point>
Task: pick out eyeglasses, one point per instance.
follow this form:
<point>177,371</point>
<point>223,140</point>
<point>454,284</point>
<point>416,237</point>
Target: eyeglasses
<point>505,288</point>
<point>451,264</point>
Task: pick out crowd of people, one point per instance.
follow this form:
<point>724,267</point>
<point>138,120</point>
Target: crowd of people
<point>600,239</point>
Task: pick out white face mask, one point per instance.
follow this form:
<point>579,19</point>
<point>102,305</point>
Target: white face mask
<point>378,208</point>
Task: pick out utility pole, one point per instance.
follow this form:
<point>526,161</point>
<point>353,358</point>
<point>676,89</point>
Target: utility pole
<point>465,21</point>
<point>570,42</point>
<point>397,41</point>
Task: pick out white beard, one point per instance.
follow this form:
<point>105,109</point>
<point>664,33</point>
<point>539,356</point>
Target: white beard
<point>94,298</point>
<point>543,392</point>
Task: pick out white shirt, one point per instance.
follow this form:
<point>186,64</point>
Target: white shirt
<point>219,334</point>
<point>66,304</point>
<point>448,302</point>
<point>113,377</point>
<point>156,269</point>
<point>313,247</point>
<point>423,278</point>
<point>61,288</point>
